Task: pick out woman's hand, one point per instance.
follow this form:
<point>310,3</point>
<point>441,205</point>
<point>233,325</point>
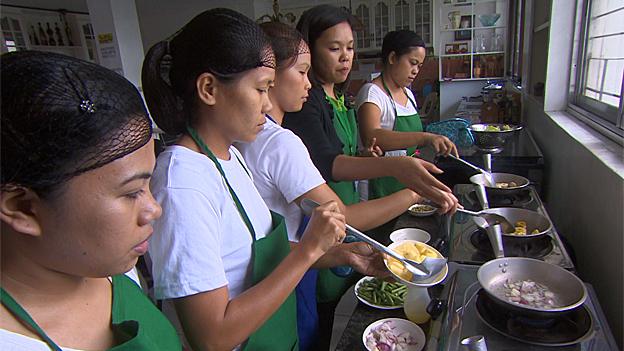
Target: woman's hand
<point>416,174</point>
<point>442,145</point>
<point>365,260</point>
<point>372,150</point>
<point>325,230</point>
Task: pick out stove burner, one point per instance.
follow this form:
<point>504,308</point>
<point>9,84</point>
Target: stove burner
<point>536,247</point>
<point>564,329</point>
<point>519,199</point>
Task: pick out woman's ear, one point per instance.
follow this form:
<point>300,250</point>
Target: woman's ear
<point>18,210</point>
<point>206,85</point>
<point>392,58</point>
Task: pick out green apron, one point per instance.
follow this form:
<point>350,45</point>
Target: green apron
<point>384,186</point>
<point>133,315</point>
<point>279,332</point>
<point>346,129</point>
<point>331,287</point>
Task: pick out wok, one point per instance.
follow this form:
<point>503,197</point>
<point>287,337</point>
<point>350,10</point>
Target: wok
<point>569,290</point>
<point>521,182</point>
<point>533,219</point>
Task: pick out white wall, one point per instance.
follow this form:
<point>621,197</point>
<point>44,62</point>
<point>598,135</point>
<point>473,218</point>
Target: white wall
<point>585,199</point>
<point>159,19</point>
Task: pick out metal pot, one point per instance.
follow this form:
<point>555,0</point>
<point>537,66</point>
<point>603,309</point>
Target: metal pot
<point>568,288</point>
<point>533,219</point>
<point>521,183</point>
<point>492,139</point>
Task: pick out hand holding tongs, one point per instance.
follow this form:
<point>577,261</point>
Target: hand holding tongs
<point>489,180</point>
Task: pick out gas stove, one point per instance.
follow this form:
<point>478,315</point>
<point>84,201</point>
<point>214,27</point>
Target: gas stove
<point>468,244</point>
<point>586,329</point>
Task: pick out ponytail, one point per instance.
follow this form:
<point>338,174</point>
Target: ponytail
<point>165,107</point>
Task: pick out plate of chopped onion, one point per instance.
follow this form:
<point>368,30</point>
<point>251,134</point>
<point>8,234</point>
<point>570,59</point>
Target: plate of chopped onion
<point>393,334</point>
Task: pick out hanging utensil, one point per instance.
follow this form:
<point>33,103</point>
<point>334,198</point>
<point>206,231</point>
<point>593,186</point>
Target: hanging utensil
<point>429,267</point>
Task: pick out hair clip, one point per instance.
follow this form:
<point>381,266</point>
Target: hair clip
<point>87,106</point>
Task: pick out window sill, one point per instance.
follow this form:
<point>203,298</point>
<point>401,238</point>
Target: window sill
<point>606,150</point>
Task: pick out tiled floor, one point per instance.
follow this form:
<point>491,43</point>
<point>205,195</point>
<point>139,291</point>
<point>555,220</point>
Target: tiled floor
<point>345,308</point>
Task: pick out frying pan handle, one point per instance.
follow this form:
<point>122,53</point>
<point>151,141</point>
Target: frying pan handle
<point>482,196</point>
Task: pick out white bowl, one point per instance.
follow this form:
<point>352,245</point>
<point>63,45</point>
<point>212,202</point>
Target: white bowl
<point>364,301</point>
<point>410,234</point>
<point>413,210</point>
<point>423,283</point>
<point>399,326</point>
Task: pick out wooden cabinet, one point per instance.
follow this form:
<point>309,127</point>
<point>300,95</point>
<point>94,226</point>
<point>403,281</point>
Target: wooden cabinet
<point>65,33</point>
<point>472,41</point>
<point>379,17</point>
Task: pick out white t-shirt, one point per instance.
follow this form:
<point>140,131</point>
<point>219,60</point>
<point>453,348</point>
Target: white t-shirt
<point>282,171</point>
<point>200,242</point>
<point>374,94</point>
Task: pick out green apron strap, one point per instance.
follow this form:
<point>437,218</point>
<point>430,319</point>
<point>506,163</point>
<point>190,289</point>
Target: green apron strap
<point>346,129</point>
<point>22,315</point>
<point>211,156</point>
<point>396,114</point>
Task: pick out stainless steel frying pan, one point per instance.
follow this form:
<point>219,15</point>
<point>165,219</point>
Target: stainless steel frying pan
<point>569,290</point>
<point>521,183</point>
<point>533,219</point>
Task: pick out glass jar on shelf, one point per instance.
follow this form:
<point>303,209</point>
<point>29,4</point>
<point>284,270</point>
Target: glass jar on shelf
<point>499,42</point>
<point>483,43</point>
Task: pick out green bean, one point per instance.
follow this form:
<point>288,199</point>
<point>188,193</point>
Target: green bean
<point>382,293</point>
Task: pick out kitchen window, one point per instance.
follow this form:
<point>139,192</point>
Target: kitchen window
<point>597,90</point>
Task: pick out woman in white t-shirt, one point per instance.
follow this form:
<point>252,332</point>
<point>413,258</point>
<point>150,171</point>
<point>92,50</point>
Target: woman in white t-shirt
<point>387,109</point>
<point>284,173</point>
<point>217,251</point>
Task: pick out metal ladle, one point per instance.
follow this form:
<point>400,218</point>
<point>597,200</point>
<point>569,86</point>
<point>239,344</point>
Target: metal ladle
<point>420,271</point>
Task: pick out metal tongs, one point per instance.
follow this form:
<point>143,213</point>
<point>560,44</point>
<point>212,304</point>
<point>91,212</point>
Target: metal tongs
<point>420,271</point>
<point>491,219</point>
<point>487,175</point>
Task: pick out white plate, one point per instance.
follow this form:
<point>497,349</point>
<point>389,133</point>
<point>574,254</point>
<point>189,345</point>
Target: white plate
<point>381,307</point>
<point>412,211</point>
<point>401,326</point>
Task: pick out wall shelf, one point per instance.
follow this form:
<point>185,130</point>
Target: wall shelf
<point>28,27</point>
<point>475,52</point>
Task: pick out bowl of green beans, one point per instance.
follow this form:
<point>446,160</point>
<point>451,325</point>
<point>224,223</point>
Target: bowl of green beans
<point>380,294</point>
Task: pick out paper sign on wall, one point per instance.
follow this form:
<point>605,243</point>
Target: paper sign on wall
<point>105,38</point>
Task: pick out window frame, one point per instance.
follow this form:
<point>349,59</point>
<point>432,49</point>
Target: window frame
<point>597,114</point>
